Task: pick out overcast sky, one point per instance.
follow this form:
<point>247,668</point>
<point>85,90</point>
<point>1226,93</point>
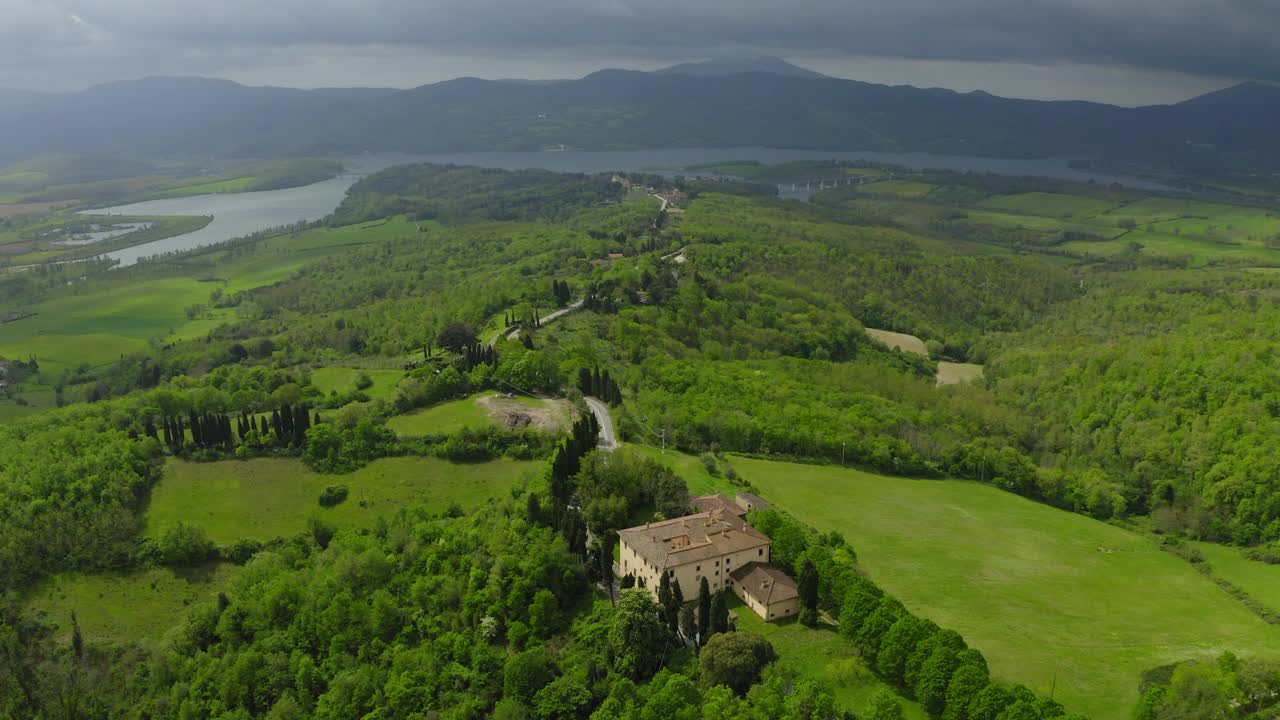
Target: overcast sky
<point>1122,51</point>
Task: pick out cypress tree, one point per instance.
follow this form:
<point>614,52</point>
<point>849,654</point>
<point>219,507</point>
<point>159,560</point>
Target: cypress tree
<point>704,611</point>
<point>719,614</point>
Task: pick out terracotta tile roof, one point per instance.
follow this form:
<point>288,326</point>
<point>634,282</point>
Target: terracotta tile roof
<point>755,501</point>
<point>765,582</point>
<point>708,503</point>
<point>692,538</point>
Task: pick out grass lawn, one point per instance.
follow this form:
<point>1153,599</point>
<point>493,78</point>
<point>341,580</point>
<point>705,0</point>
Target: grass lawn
<point>1021,581</point>
<point>898,188</point>
<point>100,325</point>
<point>340,379</point>
<point>240,184</point>
<point>133,606</point>
<point>443,417</point>
<point>1259,579</point>
<point>273,497</point>
<point>1053,205</point>
<point>821,654</point>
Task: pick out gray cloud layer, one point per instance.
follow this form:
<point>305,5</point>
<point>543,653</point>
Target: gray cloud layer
<point>63,38</point>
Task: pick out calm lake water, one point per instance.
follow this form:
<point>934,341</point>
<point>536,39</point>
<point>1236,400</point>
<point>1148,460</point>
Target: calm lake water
<point>239,214</point>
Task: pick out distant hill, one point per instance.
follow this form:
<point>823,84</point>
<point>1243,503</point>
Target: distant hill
<point>1242,95</point>
<point>620,109</point>
<point>737,66</point>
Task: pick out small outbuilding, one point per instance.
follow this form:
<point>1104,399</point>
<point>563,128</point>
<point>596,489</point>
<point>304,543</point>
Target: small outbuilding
<point>767,590</point>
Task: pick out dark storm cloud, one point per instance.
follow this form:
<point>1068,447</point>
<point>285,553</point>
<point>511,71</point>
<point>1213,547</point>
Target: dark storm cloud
<point>1212,37</point>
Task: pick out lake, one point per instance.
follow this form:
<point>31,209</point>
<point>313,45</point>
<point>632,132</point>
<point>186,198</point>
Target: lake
<point>240,214</point>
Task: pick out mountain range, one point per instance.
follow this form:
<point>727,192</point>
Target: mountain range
<point>719,103</point>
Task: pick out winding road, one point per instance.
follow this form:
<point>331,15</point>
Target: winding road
<point>514,333</point>
<point>608,439</point>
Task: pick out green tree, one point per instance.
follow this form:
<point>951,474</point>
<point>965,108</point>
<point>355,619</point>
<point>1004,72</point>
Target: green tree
<point>884,706</point>
<point>185,544</point>
<point>719,614</point>
<point>689,622</point>
<point>704,611</point>
<point>544,614</point>
<point>897,645</point>
<point>565,698</point>
<point>637,638</point>
<point>455,336</point>
<point>809,593</point>
<point>735,660</point>
<point>526,673</point>
<point>967,681</point>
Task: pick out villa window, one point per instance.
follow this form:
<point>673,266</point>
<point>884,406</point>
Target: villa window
<point>761,552</point>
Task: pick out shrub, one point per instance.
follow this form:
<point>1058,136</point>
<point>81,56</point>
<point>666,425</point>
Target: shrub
<point>333,495</point>
<point>709,461</point>
<point>241,551</point>
<point>184,544</point>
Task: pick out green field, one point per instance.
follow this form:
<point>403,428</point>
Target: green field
<point>340,379</point>
<point>97,327</point>
<point>133,606</point>
<point>1260,580</point>
<point>273,497</point>
<point>230,185</point>
<point>445,417</point>
<point>1053,599</point>
<point>1049,204</point>
<point>820,654</point>
<point>898,188</point>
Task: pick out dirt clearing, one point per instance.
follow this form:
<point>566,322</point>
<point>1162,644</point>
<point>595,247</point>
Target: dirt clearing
<point>950,373</point>
<point>517,413</point>
<point>900,341</point>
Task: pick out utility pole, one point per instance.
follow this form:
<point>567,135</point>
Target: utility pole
<point>842,444</point>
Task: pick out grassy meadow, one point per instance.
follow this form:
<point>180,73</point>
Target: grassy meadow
<point>442,417</point>
<point>133,606</point>
<point>267,498</point>
<point>1054,600</point>
<point>1260,580</point>
<point>820,654</point>
<point>341,379</point>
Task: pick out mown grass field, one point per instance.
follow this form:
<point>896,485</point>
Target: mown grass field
<point>230,185</point>
<point>1260,580</point>
<point>97,327</point>
<point>122,607</point>
<point>820,654</point>
<point>341,379</point>
<point>1054,600</point>
<point>267,498</point>
<point>1049,204</point>
<point>442,417</point>
<point>898,188</point>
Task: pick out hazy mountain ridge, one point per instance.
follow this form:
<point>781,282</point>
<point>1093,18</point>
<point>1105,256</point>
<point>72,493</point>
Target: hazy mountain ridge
<point>619,109</point>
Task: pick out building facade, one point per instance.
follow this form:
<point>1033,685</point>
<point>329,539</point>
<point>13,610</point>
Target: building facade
<point>713,544</point>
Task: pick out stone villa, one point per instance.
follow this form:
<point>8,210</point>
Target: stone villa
<point>716,543</point>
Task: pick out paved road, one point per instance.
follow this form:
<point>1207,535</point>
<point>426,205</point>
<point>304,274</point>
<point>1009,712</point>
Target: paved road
<point>514,333</point>
<point>608,439</point>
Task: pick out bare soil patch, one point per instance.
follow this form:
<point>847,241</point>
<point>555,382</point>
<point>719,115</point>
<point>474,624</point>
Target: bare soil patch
<point>950,373</point>
<point>513,413</point>
<point>16,209</point>
<point>900,341</point>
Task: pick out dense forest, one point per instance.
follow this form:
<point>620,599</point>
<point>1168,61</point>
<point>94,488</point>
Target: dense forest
<point>1140,396</point>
